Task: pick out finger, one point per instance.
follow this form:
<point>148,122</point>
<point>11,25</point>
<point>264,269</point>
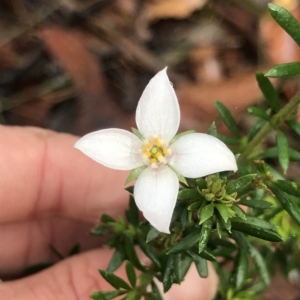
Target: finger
<point>41,174</point>
<point>26,243</point>
<point>77,277</point>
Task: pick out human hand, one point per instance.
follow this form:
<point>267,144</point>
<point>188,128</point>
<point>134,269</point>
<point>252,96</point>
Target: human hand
<point>52,194</point>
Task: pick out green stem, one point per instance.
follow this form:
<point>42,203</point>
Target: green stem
<point>274,122</point>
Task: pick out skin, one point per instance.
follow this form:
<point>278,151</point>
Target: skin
<point>50,193</point>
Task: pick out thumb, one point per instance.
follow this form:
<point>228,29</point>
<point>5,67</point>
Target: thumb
<point>77,277</point>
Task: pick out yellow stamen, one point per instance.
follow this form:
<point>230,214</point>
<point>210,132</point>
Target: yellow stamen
<point>158,155</point>
<point>149,144</point>
<point>148,153</point>
<point>155,139</point>
<point>165,151</point>
<point>153,161</point>
<point>144,149</point>
<point>159,143</point>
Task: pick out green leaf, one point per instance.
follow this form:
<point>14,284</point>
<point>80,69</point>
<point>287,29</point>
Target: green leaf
<point>241,269</point>
<point>269,92</point>
<point>256,227</point>
<point>149,251</point>
<point>286,202</point>
<point>177,267</point>
<point>227,118</point>
<point>284,70</point>
<point>168,277</point>
<point>234,185</point>
<point>283,150</point>
<point>292,188</point>
<point>294,125</point>
<point>177,136</point>
<point>132,214</point>
<point>107,219</point>
<point>134,174</point>
<point>222,209</point>
<point>206,212</point>
<point>207,255</point>
<point>188,194</point>
<point>227,139</point>
<point>273,152</point>
<point>117,259</point>
<point>186,243</point>
<point>130,273</point>
<point>137,133</point>
<point>131,254</point>
<point>238,212</point>
<point>260,264</point>
<point>201,264</point>
<point>106,295</point>
<point>185,266</point>
<point>114,280</point>
<point>255,128</point>
<point>156,291</point>
<point>285,19</point>
<point>260,204</point>
<point>100,230</point>
<point>258,112</point>
<point>152,234</point>
<point>205,234</point>
<point>212,130</point>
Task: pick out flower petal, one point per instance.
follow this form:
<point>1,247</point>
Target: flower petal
<point>158,111</point>
<point>114,148</point>
<point>155,194</point>
<point>197,154</point>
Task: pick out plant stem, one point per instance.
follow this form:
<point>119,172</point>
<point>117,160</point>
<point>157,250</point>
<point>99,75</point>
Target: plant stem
<point>274,122</point>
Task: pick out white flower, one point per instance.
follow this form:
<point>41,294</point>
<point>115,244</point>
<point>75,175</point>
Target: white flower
<point>157,118</point>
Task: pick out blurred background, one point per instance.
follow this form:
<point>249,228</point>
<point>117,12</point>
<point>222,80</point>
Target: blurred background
<point>80,65</point>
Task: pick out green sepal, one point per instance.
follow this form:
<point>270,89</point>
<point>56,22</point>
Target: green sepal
<point>212,130</point>
<point>286,20</point>
<point>286,202</point>
<point>186,243</point>
<point>134,174</point>
<point>283,150</point>
<point>107,295</point>
<point>227,118</point>
<point>179,135</point>
<point>258,112</point>
<point>256,227</point>
<point>117,259</point>
<point>100,230</point>
<point>206,212</point>
<point>130,272</point>
<point>115,281</point>
<point>284,70</point>
<point>234,185</point>
<point>291,188</point>
<point>269,92</point>
<point>137,133</point>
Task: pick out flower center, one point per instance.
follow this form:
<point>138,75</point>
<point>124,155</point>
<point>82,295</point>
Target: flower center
<point>155,152</point>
